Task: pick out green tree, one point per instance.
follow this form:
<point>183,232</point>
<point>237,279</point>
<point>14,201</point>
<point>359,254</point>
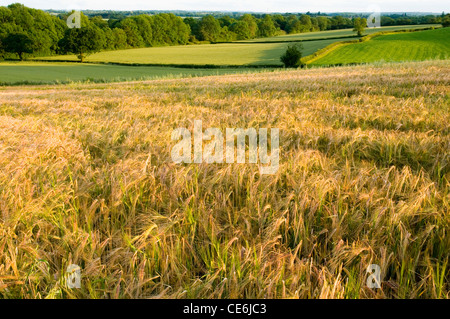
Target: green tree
<point>226,35</point>
<point>134,38</point>
<point>144,27</point>
<point>209,28</point>
<point>385,21</point>
<point>159,26</point>
<point>120,38</point>
<point>446,20</point>
<point>323,23</point>
<point>226,21</point>
<point>280,21</point>
<point>177,31</point>
<point>266,27</point>
<point>5,15</point>
<point>315,24</point>
<point>359,25</point>
<point>18,43</point>
<point>292,57</point>
<point>251,24</point>
<point>241,29</point>
<point>339,22</point>
<point>99,22</point>
<point>293,25</point>
<point>193,25</point>
<point>83,41</point>
<point>43,29</point>
<point>306,24</point>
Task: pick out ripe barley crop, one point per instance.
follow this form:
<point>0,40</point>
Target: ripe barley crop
<point>86,178</point>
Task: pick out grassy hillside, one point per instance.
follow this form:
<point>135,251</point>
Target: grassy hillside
<point>414,46</point>
<point>364,176</point>
<point>51,73</point>
<point>335,33</point>
<point>225,54</point>
<point>213,54</point>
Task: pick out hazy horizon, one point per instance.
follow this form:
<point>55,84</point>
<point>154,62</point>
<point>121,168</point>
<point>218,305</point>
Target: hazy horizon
<point>325,6</point>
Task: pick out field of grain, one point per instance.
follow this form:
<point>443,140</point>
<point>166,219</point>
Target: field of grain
<point>364,175</point>
<point>14,73</point>
<point>409,46</point>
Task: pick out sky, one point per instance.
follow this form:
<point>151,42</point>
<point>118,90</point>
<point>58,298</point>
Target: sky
<point>243,5</point>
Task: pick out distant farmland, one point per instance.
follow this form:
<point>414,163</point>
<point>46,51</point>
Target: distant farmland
<point>410,46</point>
<point>225,58</point>
<point>222,54</point>
<point>65,72</point>
<point>336,33</point>
<point>266,52</point>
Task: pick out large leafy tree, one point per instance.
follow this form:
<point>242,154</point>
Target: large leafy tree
<point>83,41</point>
<point>193,25</point>
<point>252,25</point>
<point>241,29</point>
<point>266,27</point>
<point>293,24</point>
<point>209,28</point>
<point>446,20</point>
<point>181,31</point>
<point>246,27</point>
<point>120,38</point>
<point>359,25</point>
<point>226,21</point>
<point>42,29</point>
<point>280,21</point>
<point>323,23</point>
<point>144,27</point>
<point>134,38</point>
<point>18,43</point>
<point>306,24</point>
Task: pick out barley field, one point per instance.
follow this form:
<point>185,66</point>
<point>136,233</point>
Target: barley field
<point>86,178</point>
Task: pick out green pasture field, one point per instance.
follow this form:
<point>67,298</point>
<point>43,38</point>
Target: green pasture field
<point>335,33</point>
<point>13,73</point>
<point>412,46</point>
<point>205,54</point>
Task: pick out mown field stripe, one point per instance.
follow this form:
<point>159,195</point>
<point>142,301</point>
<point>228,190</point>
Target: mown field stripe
<point>332,47</point>
<point>390,47</point>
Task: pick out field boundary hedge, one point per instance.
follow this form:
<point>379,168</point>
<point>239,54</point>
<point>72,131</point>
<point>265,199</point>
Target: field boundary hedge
<point>291,41</point>
<point>182,66</point>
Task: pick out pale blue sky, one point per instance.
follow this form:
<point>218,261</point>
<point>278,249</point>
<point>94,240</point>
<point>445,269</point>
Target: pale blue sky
<point>243,5</point>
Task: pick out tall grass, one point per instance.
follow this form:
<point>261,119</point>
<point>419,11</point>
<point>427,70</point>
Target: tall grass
<point>86,178</point>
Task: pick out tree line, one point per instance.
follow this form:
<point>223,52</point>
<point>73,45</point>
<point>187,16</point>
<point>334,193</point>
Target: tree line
<point>25,30</point>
